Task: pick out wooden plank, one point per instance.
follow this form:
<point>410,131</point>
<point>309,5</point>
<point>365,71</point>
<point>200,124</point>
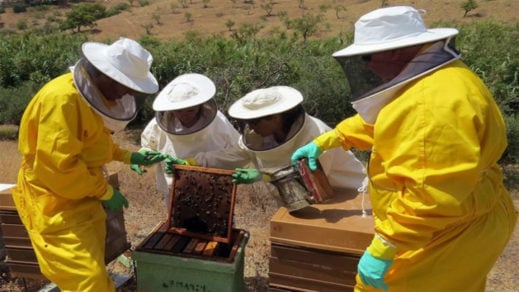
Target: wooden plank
<point>163,241</point>
<point>190,246</point>
<point>292,283</point>
<point>17,242</point>
<point>10,217</point>
<point>153,240</point>
<point>347,261</point>
<point>181,244</point>
<point>22,254</point>
<point>329,267</point>
<point>172,241</point>
<point>14,230</point>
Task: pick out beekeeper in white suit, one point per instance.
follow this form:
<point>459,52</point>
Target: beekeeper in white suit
<point>274,125</point>
<point>187,121</point>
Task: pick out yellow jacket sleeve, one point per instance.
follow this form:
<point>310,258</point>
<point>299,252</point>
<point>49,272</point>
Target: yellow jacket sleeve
<point>354,132</point>
<point>64,143</point>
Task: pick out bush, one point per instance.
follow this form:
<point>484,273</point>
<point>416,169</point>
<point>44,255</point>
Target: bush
<point>19,7</point>
<point>13,102</point>
<point>511,155</point>
<point>492,50</point>
<point>23,56</point>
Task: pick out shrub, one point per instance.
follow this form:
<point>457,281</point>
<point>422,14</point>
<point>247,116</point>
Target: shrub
<point>13,102</point>
<point>511,155</point>
<point>19,7</point>
<point>492,50</point>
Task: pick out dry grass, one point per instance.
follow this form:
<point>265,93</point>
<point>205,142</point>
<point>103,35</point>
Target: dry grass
<point>9,160</point>
<point>169,19</point>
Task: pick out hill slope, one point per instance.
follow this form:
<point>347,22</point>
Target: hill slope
<point>167,19</point>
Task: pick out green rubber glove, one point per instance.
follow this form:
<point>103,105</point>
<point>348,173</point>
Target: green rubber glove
<point>170,162</point>
<point>246,175</point>
<point>376,261</point>
<point>310,151</point>
<point>146,157</point>
<point>137,168</point>
<point>116,202</point>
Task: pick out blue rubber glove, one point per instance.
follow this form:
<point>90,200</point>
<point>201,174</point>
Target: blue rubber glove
<point>310,151</point>
<point>372,270</point>
<point>146,157</point>
<point>246,175</point>
<point>137,168</point>
<point>170,162</point>
<point>116,202</point>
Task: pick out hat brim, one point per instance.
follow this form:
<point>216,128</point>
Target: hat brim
<point>207,91</point>
<point>430,35</point>
<point>94,53</point>
<point>238,111</point>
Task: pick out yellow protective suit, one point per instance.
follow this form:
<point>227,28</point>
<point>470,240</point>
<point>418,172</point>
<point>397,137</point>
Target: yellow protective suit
<point>64,145</point>
<point>435,185</point>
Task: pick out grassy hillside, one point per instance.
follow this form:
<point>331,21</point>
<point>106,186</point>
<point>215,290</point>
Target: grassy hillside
<point>171,19</point>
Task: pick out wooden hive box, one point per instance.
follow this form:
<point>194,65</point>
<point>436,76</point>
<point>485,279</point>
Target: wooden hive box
<point>6,200</point>
<point>318,248</point>
<point>195,248</point>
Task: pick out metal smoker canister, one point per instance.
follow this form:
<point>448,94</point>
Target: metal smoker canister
<point>291,188</point>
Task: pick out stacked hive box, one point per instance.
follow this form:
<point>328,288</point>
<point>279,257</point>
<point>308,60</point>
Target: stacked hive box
<point>196,248</point>
<point>318,248</point>
<point>21,259</point>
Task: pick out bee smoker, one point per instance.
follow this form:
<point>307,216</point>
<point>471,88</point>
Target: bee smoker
<point>300,187</point>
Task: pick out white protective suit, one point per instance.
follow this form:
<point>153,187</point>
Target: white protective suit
<point>343,169</point>
<point>218,134</point>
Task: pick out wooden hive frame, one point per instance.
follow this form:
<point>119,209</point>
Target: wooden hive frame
<point>202,203</point>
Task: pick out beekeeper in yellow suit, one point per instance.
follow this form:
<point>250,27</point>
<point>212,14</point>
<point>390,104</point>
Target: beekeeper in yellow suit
<point>65,139</point>
<point>442,215</point>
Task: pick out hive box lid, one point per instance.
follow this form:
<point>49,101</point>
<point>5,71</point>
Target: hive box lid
<point>337,225</point>
<point>6,200</point>
<point>202,203</point>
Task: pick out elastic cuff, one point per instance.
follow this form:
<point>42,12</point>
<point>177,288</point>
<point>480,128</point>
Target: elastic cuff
<point>381,248</point>
<point>108,194</point>
<point>127,157</point>
<point>265,178</point>
<point>191,161</point>
<point>328,140</point>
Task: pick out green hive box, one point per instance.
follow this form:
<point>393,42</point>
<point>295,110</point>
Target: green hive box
<point>195,248</point>
<point>163,266</point>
